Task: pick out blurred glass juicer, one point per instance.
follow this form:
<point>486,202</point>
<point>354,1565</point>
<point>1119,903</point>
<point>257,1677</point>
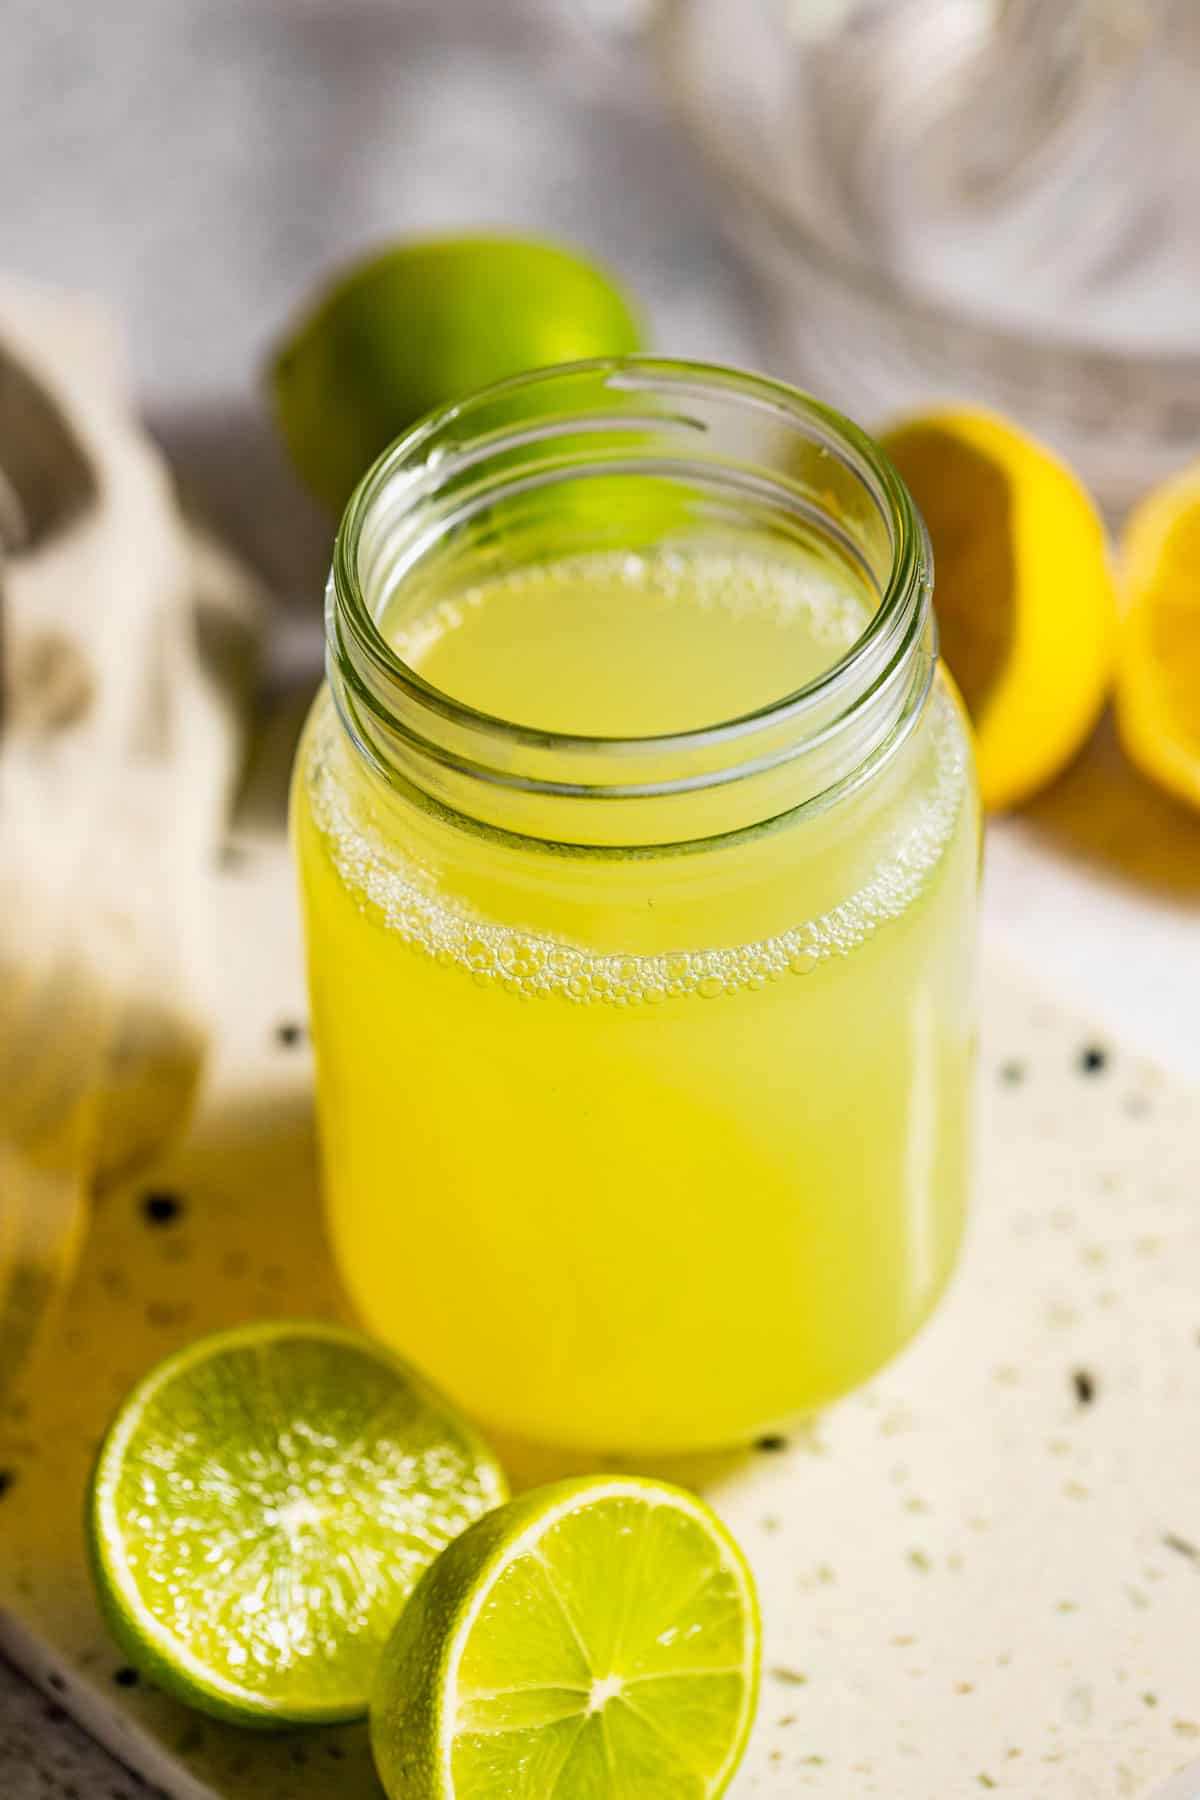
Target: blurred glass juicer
<point>989,200</point>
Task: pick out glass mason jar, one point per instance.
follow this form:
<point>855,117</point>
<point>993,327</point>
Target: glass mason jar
<point>643,1053</point>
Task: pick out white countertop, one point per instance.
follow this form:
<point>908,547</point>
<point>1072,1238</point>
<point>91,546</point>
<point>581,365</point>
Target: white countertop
<point>1097,886</point>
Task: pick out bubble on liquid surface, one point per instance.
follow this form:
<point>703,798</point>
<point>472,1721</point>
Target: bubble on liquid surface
<point>375,870</point>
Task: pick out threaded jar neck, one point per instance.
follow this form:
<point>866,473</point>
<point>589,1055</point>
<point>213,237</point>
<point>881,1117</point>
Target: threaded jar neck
<point>619,455</point>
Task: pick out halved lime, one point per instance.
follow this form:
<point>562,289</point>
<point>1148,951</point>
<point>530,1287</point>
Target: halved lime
<point>420,324</point>
<point>594,1640</point>
<point>261,1508</point>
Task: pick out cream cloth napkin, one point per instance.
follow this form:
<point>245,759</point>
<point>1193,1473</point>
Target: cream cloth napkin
<point>127,660</point>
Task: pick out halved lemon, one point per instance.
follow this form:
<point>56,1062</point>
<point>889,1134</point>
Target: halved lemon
<point>1023,590</point>
<point>1158,674</point>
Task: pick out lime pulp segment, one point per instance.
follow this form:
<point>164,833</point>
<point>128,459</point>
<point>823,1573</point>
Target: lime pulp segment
<point>261,1508</point>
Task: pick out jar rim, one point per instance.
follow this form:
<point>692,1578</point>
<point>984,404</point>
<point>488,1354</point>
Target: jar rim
<point>738,445</point>
<point>907,590</point>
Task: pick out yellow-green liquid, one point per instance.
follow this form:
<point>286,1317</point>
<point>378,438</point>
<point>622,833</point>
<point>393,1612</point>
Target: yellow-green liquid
<point>644,1151</point>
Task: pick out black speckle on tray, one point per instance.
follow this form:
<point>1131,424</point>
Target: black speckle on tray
<point>7,1479</point>
<point>1084,1383</point>
<point>771,1443</point>
<point>289,1034</point>
<point>126,1677</point>
<point>162,1317</point>
<point>1093,1060</point>
<point>1012,1074</point>
<point>161,1207</point>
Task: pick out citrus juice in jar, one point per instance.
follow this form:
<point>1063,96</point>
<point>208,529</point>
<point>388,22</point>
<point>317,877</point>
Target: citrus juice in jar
<point>639,844</point>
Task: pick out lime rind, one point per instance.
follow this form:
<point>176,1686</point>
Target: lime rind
<point>423,322</point>
<point>375,1568</point>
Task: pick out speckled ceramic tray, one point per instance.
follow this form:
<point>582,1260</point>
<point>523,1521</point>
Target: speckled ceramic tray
<point>981,1574</point>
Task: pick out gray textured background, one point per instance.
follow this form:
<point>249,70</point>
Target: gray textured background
<point>199,164</point>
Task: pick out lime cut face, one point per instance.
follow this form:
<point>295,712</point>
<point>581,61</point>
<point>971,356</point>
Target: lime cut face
<point>261,1508</point>
<point>594,1640</point>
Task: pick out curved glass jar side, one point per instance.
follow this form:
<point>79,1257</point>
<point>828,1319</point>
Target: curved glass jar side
<point>649,1142</point>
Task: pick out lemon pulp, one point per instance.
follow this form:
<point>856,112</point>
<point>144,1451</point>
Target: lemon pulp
<point>1159,674</point>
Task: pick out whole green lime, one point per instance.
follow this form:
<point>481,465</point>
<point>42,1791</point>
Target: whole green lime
<point>422,324</point>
